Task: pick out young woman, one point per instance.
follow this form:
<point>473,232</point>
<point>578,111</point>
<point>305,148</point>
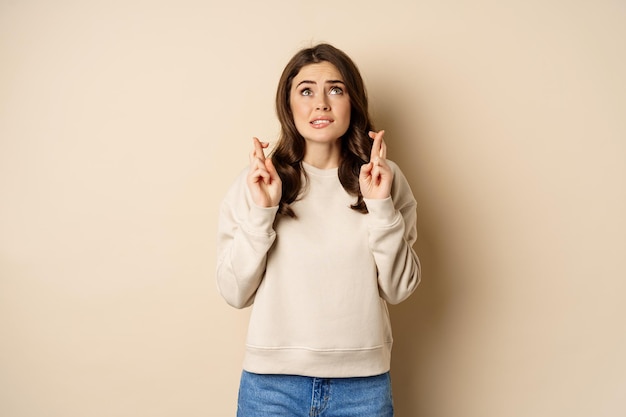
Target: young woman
<point>318,238</point>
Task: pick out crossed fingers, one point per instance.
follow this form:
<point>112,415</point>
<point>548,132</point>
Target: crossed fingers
<point>257,161</point>
<point>379,147</point>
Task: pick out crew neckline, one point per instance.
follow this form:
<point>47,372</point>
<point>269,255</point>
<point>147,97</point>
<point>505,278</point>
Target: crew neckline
<point>319,172</point>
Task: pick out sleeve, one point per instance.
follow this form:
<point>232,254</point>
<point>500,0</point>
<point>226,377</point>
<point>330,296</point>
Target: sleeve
<point>244,236</point>
<point>392,226</point>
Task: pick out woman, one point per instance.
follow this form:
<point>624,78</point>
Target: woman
<point>318,238</point>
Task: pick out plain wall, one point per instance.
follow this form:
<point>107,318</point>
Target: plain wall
<point>122,123</point>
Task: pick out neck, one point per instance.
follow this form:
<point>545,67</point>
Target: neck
<point>323,156</point>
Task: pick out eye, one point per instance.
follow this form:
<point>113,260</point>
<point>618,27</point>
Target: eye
<point>306,92</point>
<point>335,90</point>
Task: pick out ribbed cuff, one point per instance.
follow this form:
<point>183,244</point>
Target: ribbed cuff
<point>261,219</point>
<point>382,212</point>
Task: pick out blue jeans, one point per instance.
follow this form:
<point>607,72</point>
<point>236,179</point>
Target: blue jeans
<point>301,396</point>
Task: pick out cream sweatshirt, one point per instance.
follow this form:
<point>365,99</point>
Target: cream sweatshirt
<point>318,283</point>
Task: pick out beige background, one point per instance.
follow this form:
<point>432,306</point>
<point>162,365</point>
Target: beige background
<point>123,122</point>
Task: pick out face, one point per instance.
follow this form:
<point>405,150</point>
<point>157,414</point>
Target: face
<point>320,103</point>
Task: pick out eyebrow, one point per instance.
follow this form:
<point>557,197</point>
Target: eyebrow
<point>313,82</point>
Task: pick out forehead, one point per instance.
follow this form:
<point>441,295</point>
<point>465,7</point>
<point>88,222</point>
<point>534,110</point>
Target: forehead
<point>318,72</point>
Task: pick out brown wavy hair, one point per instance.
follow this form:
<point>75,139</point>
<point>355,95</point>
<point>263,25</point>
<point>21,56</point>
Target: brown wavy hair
<point>356,145</point>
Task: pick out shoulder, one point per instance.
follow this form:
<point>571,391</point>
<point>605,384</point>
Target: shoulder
<point>237,194</point>
<point>401,192</point>
<point>394,167</point>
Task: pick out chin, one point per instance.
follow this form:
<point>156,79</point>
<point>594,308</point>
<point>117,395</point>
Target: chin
<point>323,138</point>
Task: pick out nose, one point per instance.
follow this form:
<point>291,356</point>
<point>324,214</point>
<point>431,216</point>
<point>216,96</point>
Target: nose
<point>323,104</point>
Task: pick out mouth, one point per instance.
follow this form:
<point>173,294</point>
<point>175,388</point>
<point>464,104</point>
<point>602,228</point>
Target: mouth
<point>321,122</point>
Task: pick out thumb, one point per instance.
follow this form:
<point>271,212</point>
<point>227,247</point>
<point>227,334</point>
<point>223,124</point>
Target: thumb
<point>366,170</point>
<point>269,165</point>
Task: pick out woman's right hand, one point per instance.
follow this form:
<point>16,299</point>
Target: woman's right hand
<point>263,180</point>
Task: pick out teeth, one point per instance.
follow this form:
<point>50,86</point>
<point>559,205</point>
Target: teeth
<point>318,122</point>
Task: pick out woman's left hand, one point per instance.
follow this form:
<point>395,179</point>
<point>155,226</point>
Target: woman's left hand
<point>376,176</point>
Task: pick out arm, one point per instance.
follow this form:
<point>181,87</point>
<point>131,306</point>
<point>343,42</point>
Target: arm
<point>245,229</point>
<point>392,223</point>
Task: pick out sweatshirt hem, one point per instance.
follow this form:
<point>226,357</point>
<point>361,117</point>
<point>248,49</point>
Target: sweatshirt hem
<point>321,363</point>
